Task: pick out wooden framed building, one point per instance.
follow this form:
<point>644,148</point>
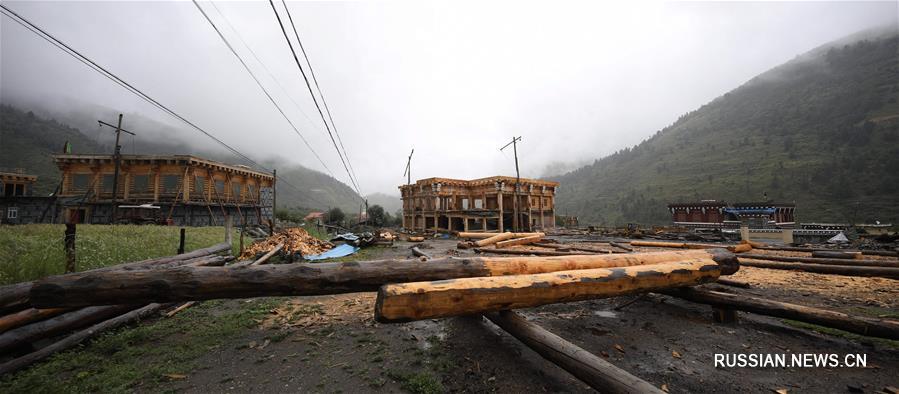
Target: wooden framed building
<point>712,214</point>
<point>486,204</point>
<point>16,197</point>
<point>189,190</point>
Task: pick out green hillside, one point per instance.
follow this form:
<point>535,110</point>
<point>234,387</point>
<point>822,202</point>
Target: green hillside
<point>821,130</point>
<point>27,141</point>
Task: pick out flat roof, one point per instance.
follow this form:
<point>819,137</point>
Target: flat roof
<point>17,176</point>
<point>172,159</point>
<point>482,181</point>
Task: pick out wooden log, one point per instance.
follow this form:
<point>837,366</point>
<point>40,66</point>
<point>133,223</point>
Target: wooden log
<point>180,308</point>
<point>592,370</point>
<point>869,326</point>
<point>529,252</point>
<point>203,283</point>
<point>621,246</point>
<point>471,235</point>
<point>815,260</point>
<point>416,239</point>
<point>888,253</point>
<point>268,255</point>
<point>60,324</point>
<point>403,302</point>
<point>836,254</point>
<point>520,241</point>
<point>28,316</point>
<point>14,298</point>
<point>733,283</point>
<point>754,244</point>
<point>739,248</point>
<point>846,270</point>
<point>570,247</point>
<point>502,237</point>
<point>419,253</point>
<point>75,339</point>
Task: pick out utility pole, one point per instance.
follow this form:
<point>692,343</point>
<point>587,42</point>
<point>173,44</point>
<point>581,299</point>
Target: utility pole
<point>408,171</point>
<point>515,219</point>
<point>117,159</point>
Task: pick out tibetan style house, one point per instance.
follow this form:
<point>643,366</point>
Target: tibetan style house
<point>180,190</point>
<point>718,214</point>
<point>16,201</point>
<point>486,204</point>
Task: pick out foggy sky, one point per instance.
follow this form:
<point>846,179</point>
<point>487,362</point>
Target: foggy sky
<point>455,80</point>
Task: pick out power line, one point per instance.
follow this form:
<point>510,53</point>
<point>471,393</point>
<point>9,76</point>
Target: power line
<point>314,100</point>
<point>246,67</point>
<point>318,88</point>
<point>106,73</point>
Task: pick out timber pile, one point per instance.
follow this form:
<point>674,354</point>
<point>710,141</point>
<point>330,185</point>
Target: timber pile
<point>293,241</point>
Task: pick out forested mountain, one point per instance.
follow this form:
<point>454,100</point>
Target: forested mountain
<point>821,130</point>
<point>27,141</point>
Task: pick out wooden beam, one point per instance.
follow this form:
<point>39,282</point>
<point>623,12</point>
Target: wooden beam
<point>869,326</point>
<point>201,283</point>
<point>847,270</point>
<point>404,302</point>
<point>592,370</point>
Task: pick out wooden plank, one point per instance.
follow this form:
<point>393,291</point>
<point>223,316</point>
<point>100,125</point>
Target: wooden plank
<point>201,283</point>
<point>592,370</point>
<point>869,326</point>
<point>403,302</point>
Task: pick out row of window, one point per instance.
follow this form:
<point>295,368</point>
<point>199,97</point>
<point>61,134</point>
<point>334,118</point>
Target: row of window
<point>168,184</point>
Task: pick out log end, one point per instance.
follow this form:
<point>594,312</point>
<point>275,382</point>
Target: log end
<point>727,260</point>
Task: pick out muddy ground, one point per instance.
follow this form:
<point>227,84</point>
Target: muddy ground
<point>331,344</point>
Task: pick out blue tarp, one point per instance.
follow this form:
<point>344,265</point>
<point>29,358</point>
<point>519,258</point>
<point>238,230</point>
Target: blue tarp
<point>338,251</point>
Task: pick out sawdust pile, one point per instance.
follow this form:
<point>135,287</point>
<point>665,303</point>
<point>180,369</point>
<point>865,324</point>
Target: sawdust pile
<point>294,239</point>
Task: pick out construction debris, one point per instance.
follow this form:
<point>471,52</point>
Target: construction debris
<point>294,240</point>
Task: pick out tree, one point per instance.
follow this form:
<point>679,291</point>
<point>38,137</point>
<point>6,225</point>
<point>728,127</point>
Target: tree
<point>335,216</point>
<point>376,215</point>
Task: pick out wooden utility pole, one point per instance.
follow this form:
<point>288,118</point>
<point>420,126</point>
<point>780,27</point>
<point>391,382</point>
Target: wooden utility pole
<point>117,159</point>
<point>516,219</point>
<point>408,171</point>
<point>271,228</point>
<point>70,247</point>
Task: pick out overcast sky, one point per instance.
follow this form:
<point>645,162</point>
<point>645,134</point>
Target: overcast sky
<point>455,80</point>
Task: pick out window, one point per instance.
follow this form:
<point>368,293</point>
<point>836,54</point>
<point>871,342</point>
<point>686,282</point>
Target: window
<point>251,192</point>
<point>12,213</point>
<point>479,203</point>
<point>170,183</point>
<point>81,181</point>
<point>235,190</point>
<point>220,188</point>
<point>200,185</point>
<point>140,183</point>
<point>107,183</point>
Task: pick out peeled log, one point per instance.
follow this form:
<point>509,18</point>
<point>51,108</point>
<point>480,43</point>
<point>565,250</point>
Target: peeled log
<point>686,245</point>
<point>834,254</point>
<point>814,260</point>
<point>203,283</point>
<point>596,372</point>
<point>521,241</point>
<point>60,324</point>
<point>488,235</point>
<point>530,252</point>
<point>881,328</point>
<point>403,302</point>
<point>802,249</point>
<point>27,316</point>
<point>847,270</point>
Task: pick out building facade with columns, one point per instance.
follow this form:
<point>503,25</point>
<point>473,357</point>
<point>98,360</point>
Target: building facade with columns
<point>486,204</point>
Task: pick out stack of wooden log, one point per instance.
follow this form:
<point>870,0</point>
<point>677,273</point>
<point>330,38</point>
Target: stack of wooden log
<point>22,324</point>
<point>292,240</point>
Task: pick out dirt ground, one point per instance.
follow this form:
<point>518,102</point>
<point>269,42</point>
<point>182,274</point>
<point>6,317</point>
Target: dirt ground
<point>331,344</point>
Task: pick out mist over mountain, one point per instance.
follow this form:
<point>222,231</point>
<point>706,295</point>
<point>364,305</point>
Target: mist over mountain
<point>821,130</point>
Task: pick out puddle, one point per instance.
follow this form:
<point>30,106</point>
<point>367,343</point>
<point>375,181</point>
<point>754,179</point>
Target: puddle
<point>605,314</point>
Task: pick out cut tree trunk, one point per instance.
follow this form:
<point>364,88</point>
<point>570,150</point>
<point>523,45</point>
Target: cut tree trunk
<point>60,324</point>
<point>887,253</point>
<point>596,372</point>
<point>578,248</point>
<point>488,235</point>
<point>521,241</point>
<point>404,302</point>
<point>826,261</point>
<point>78,337</point>
<point>202,283</point>
<point>529,252</point>
<point>28,316</point>
<point>835,254</point>
<point>621,246</point>
<point>739,248</point>
<point>846,270</point>
<point>881,328</point>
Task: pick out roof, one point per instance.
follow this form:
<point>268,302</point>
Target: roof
<point>156,159</point>
<point>483,181</point>
<point>15,176</point>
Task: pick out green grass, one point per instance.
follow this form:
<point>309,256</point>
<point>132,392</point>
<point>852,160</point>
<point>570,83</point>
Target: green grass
<point>840,333</point>
<point>418,383</point>
<point>142,356</point>
<point>33,251</point>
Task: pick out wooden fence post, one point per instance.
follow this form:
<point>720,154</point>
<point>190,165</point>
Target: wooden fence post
<point>181,242</point>
<point>70,247</point>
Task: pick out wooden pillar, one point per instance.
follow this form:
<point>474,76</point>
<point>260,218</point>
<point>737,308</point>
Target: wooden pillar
<point>465,222</point>
<point>156,184</point>
<point>542,215</point>
<point>499,203</point>
<point>70,247</point>
<point>126,184</point>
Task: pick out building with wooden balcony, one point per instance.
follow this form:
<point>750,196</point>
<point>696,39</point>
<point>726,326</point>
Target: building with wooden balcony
<point>188,190</point>
<point>16,197</point>
<point>486,204</point>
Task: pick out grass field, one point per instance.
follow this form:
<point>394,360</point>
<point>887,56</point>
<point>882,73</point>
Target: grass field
<point>33,251</point>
